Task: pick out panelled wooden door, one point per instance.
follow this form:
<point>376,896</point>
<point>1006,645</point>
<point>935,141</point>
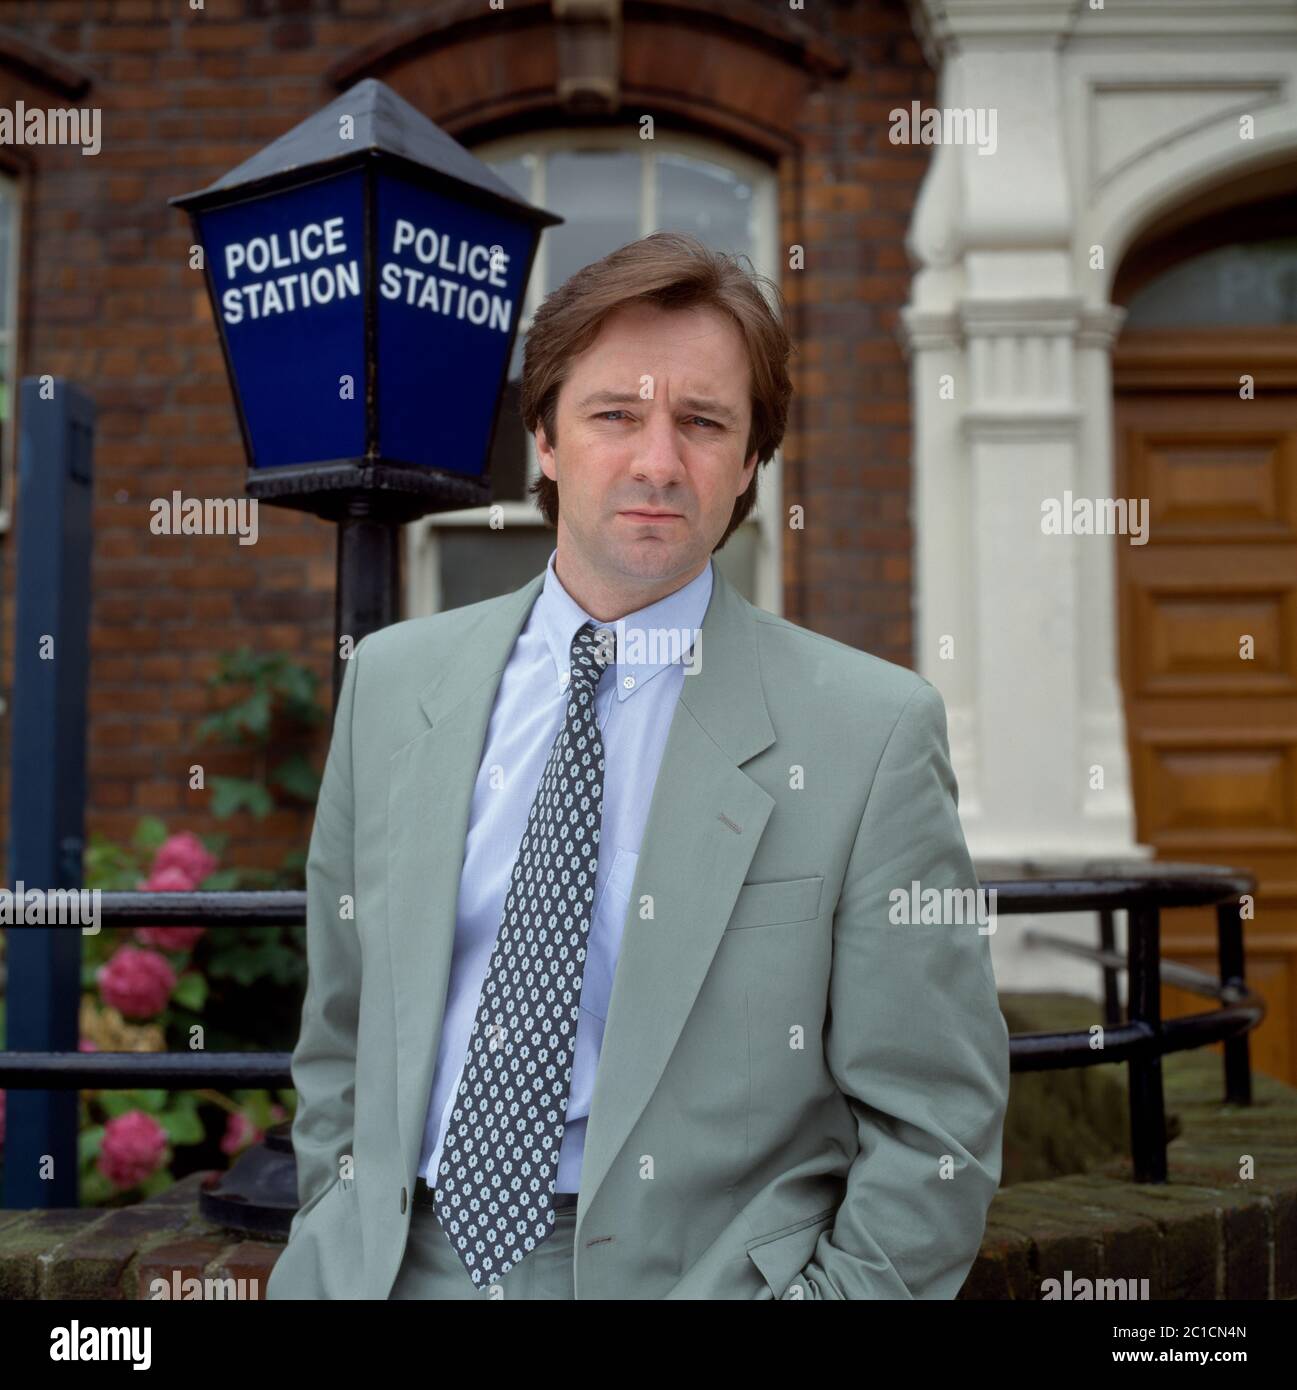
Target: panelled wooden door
<point>1208,637</point>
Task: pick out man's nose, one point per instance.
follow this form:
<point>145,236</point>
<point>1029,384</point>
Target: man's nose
<point>659,458</point>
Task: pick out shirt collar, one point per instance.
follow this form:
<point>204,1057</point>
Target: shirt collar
<point>648,640</point>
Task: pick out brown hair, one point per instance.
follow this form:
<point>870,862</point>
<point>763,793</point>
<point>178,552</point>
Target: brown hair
<point>674,271</point>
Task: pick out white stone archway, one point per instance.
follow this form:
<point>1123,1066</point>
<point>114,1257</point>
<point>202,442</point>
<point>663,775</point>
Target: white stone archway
<point>1105,120</point>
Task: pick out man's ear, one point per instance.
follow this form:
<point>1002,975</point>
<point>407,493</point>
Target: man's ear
<point>544,454</point>
<point>748,469</point>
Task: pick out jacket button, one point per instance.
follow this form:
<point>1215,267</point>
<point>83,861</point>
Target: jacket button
<point>403,1201</point>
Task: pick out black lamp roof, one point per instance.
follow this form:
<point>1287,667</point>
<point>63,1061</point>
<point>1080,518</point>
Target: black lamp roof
<point>383,123</point>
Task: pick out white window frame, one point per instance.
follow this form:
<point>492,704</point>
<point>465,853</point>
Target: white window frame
<point>422,551</point>
<point>9,348</point>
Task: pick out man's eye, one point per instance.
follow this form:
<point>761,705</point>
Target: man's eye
<point>705,421</point>
<point>603,414</point>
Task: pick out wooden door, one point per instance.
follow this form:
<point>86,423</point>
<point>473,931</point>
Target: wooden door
<point>1208,636</point>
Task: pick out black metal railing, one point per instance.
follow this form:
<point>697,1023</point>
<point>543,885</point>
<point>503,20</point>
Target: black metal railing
<point>1141,1039</point>
<point>1142,890</point>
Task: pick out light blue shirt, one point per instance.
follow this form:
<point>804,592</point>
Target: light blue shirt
<point>634,705</point>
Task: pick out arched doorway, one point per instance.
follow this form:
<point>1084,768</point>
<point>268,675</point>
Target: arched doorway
<point>1205,423</point>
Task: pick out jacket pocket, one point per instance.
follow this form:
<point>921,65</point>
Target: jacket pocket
<point>782,1256</point>
<point>765,904</point>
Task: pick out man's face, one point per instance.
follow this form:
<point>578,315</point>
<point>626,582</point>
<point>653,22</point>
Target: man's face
<point>653,415</point>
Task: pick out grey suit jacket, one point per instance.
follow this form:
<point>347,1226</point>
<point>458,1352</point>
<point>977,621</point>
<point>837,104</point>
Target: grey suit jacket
<point>796,1096</point>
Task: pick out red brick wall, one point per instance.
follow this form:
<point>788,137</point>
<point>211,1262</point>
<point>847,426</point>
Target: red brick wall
<point>110,302</point>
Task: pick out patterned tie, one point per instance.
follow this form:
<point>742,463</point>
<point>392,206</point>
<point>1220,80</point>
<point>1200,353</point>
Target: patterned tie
<point>498,1166</point>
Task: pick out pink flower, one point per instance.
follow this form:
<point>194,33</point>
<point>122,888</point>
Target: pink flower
<point>136,982</point>
<point>169,938</point>
<point>239,1133</point>
<point>133,1149</point>
<point>172,879</point>
<point>85,1045</point>
<point>186,852</point>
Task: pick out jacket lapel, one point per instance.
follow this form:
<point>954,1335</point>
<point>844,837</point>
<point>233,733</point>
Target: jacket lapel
<point>705,821</point>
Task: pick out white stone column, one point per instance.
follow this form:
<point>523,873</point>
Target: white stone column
<point>1012,406</point>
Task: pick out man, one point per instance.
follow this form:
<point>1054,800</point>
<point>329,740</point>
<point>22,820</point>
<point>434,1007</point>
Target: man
<point>608,993</point>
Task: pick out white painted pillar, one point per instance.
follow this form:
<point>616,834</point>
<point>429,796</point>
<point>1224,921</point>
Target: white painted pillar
<point>1031,687</point>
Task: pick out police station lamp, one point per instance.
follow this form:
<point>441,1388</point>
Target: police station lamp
<point>367,274</point>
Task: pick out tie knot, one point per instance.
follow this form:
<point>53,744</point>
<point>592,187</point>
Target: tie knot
<point>592,652</point>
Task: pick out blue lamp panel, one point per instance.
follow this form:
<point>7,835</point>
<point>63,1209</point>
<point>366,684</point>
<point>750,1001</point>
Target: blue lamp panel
<point>288,270</point>
<point>450,287</point>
